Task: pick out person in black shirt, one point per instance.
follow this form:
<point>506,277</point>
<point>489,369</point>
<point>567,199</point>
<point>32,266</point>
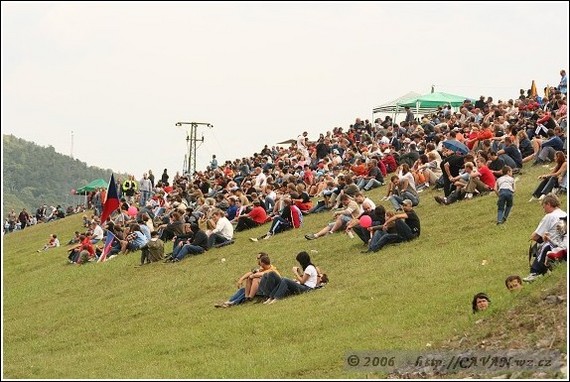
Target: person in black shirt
<point>406,226</point>
<point>450,167</point>
<point>496,164</point>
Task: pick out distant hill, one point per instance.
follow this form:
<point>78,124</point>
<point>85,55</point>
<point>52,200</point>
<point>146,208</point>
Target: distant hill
<point>34,175</point>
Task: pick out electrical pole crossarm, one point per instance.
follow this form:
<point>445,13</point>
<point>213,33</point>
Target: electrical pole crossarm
<point>191,143</point>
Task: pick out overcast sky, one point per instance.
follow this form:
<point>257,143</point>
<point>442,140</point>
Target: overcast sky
<point>114,78</point>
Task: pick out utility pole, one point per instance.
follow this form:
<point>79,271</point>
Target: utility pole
<point>71,144</point>
<point>191,140</point>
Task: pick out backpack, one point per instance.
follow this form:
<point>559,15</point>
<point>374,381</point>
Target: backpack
<point>532,251</point>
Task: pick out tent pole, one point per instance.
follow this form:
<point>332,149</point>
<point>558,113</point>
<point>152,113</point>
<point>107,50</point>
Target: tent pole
<point>417,109</point>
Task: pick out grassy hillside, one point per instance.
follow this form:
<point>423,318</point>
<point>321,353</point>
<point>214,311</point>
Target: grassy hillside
<point>116,320</point>
<point>33,175</point>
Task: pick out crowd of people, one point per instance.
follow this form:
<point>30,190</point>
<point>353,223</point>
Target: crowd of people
<point>467,154</point>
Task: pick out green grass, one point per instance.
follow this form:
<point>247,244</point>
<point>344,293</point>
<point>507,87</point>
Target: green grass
<point>115,320</point>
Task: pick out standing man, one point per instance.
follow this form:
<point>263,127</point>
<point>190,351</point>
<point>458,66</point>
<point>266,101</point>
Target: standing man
<point>409,115</point>
<point>151,177</point>
<point>302,146</point>
<point>164,178</point>
<point>563,86</point>
<point>24,218</point>
<point>214,163</point>
<point>145,187</point>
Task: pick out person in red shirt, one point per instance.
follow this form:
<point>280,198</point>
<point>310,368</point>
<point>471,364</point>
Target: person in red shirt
<point>389,161</point>
<point>256,217</point>
<point>359,168</point>
<point>481,180</point>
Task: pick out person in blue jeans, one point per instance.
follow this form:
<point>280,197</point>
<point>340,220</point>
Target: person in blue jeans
<point>252,281</point>
<point>306,279</point>
<point>406,227</point>
<point>195,246</point>
<point>505,189</point>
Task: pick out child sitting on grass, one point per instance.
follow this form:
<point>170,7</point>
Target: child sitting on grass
<point>52,243</point>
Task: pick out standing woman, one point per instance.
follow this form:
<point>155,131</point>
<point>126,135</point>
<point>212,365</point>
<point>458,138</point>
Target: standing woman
<point>305,279</point>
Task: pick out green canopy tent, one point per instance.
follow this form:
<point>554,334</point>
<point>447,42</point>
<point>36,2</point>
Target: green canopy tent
<point>393,107</point>
<point>94,185</point>
<point>433,100</point>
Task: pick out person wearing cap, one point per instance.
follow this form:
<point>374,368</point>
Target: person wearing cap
<point>336,157</point>
<point>406,226</point>
<point>389,161</point>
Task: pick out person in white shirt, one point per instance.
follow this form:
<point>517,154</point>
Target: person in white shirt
<point>547,228</point>
<point>223,232</point>
<point>97,234</point>
<point>52,243</point>
<point>260,180</point>
<point>302,145</point>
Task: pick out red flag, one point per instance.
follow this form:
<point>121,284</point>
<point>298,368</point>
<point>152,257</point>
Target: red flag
<point>112,201</point>
<point>107,247</point>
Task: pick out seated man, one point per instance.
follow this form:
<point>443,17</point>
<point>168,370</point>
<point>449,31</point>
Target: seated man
<point>290,217</point>
<point>551,229</point>
<point>134,241</point>
<point>256,217</point>
<point>351,211</point>
<point>223,231</point>
<point>406,227</point>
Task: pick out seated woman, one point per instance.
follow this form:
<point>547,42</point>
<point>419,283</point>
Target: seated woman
<point>428,167</point>
<point>552,179</point>
<point>306,279</point>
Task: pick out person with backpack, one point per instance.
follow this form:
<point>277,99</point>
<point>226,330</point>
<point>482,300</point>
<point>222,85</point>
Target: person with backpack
<point>291,217</point>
